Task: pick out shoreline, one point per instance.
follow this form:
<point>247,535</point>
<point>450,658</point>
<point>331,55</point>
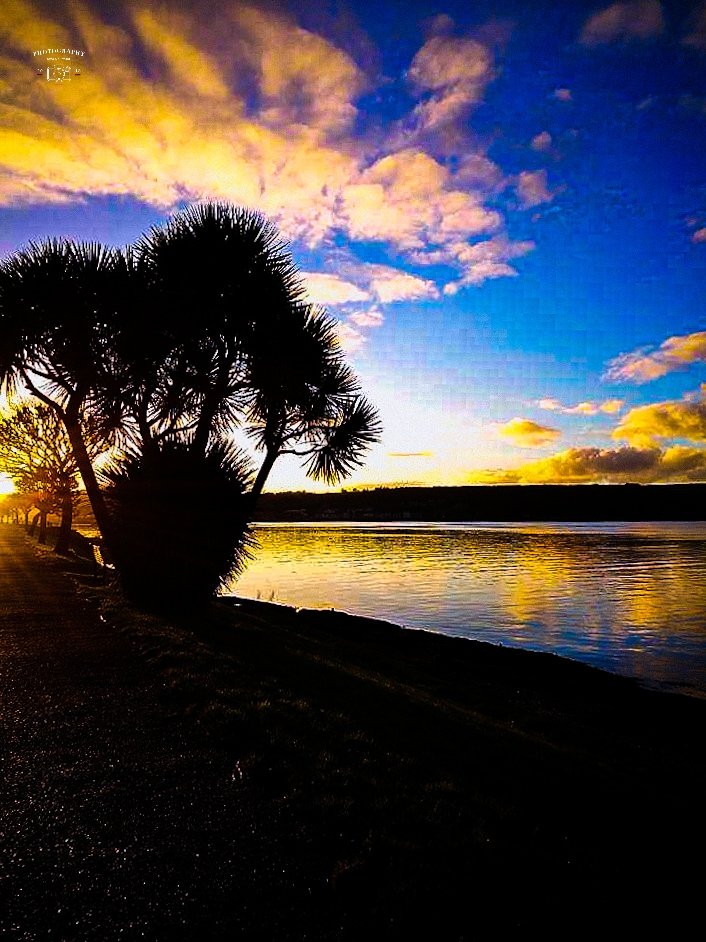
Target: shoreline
<point>346,777</point>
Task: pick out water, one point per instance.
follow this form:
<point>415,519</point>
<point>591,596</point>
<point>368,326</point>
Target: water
<point>626,597</point>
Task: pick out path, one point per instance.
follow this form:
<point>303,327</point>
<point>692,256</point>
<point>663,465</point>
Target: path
<point>112,825</point>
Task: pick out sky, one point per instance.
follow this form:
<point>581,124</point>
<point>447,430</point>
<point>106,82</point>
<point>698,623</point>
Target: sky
<point>502,204</point>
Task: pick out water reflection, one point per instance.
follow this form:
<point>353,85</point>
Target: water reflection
<point>627,597</point>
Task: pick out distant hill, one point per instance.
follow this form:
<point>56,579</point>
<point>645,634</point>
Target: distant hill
<point>529,502</point>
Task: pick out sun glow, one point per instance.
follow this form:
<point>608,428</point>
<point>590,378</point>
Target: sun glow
<point>7,485</point>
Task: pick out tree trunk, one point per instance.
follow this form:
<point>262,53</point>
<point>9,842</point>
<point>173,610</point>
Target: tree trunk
<point>262,476</point>
<point>42,526</point>
<point>63,542</point>
<point>90,482</point>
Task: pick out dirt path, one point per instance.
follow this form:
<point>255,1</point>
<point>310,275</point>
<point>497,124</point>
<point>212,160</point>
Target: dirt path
<point>112,825</point>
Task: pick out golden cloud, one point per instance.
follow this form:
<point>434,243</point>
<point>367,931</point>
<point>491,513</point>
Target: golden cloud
<point>641,366</point>
<point>633,19</point>
<point>605,465</point>
<point>172,107</point>
<point>528,434</point>
<point>645,425</point>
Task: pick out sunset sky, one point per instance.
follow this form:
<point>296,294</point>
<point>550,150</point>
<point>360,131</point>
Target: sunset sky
<point>503,204</point>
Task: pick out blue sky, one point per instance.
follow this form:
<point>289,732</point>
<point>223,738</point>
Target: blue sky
<point>502,204</point>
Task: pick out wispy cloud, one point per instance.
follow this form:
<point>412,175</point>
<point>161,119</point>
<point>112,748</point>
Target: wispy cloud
<point>451,73</point>
<point>330,289</point>
<point>528,434</point>
<point>633,19</point>
<point>645,364</point>
<point>562,94</point>
<point>699,235</point>
<point>605,465</point>
<point>588,407</point>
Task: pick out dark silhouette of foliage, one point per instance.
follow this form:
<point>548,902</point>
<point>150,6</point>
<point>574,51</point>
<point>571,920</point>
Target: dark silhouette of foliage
<point>198,331</point>
<point>174,553</point>
<point>59,308</point>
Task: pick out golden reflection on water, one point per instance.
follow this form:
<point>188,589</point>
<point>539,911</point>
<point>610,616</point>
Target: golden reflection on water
<point>633,601</point>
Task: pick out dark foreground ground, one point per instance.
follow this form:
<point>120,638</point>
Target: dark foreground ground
<point>300,775</point>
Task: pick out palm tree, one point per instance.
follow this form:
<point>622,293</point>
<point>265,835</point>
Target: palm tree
<point>236,346</point>
<point>199,331</point>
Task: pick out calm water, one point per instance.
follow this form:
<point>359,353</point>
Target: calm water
<point>630,597</point>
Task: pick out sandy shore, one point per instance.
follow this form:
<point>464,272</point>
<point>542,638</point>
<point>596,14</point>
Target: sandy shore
<point>268,773</point>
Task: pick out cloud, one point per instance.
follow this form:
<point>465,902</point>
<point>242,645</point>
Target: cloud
<point>392,284</point>
<point>452,73</point>
<point>562,94</point>
<point>699,235</point>
<point>484,260</point>
<point>541,141</point>
<point>411,200</point>
<point>528,434</point>
<point>330,289</point>
<point>350,339</point>
<point>681,419</point>
<point>606,465</point>
<point>532,188</point>
<point>373,317</point>
<point>173,107</point>
<point>644,365</point>
<point>410,454</point>
<point>696,37</point>
<point>589,407</point>
<point>633,19</point>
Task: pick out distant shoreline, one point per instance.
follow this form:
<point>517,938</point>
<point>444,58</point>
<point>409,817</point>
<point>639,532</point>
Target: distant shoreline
<point>531,503</point>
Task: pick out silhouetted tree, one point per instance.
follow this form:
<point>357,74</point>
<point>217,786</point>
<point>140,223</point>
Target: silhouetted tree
<point>59,308</point>
<point>199,330</point>
<point>36,453</point>
<point>231,345</point>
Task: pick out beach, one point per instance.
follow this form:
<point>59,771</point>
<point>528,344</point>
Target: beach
<point>258,771</point>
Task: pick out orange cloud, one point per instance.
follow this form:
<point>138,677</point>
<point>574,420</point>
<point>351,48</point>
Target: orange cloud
<point>528,434</point>
<point>633,19</point>
<point>641,366</point>
<point>645,425</point>
<point>699,235</point>
<point>605,465</point>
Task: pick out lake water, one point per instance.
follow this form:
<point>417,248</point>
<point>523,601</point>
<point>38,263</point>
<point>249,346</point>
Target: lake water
<point>626,597</point>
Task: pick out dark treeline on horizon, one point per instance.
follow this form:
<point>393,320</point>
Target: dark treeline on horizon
<point>528,502</point>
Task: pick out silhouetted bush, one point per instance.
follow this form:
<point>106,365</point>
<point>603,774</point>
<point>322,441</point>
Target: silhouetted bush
<point>181,523</point>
